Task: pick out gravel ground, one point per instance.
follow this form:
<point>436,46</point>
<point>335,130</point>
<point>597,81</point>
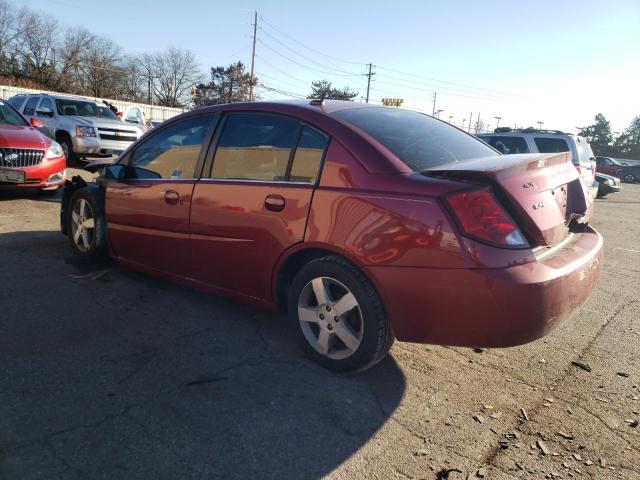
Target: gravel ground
<point>110,374</point>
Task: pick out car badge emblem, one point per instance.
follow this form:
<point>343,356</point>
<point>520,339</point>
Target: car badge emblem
<point>117,134</point>
<point>528,185</point>
<point>538,206</point>
<point>11,157</point>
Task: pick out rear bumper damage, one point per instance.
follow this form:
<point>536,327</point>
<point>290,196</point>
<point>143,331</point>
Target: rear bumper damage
<point>497,307</point>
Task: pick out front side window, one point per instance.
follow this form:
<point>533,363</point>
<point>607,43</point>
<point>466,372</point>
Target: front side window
<point>508,145</point>
<point>77,107</point>
<point>45,105</point>
<point>418,140</point>
<point>106,112</point>
<point>255,146</point>
<point>30,107</point>
<point>551,145</point>
<point>309,152</point>
<point>172,153</point>
<point>8,116</point>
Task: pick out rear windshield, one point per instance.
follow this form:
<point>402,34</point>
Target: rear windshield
<point>418,140</point>
<point>77,107</point>
<point>8,116</point>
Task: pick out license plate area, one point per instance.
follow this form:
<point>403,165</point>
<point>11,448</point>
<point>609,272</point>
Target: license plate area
<point>11,176</point>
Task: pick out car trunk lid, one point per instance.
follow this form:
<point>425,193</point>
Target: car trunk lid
<point>543,192</point>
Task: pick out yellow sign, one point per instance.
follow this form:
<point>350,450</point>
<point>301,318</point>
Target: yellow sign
<point>392,102</point>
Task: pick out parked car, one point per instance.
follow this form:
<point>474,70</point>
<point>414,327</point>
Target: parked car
<point>530,140</point>
<point>365,223</point>
<point>619,168</point>
<point>607,184</point>
<point>77,125</point>
<point>28,159</point>
<point>135,115</point>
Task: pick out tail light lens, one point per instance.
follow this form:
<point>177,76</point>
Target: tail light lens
<point>480,216</point>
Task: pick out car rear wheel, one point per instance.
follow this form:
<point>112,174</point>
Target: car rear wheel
<point>337,316</point>
<point>629,178</point>
<point>87,226</point>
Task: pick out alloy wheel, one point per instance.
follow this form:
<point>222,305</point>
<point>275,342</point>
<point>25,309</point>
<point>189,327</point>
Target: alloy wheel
<point>330,318</point>
<point>83,225</point>
<point>629,178</point>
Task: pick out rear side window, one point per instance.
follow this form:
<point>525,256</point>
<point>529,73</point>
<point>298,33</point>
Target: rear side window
<point>306,161</point>
<point>508,145</point>
<point>30,108</point>
<point>172,153</point>
<point>255,146</point>
<point>419,141</point>
<point>16,102</point>
<point>551,145</point>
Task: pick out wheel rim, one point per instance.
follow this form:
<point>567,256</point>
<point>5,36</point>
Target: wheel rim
<point>330,318</point>
<point>82,225</point>
<point>629,178</point>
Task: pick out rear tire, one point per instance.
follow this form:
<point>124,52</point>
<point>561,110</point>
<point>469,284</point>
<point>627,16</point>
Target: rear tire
<point>337,316</point>
<point>629,178</point>
<point>86,224</point>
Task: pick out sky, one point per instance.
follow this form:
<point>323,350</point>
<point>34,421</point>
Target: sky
<point>556,62</point>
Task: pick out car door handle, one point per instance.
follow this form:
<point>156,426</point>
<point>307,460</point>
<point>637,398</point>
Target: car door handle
<point>171,197</point>
<point>275,203</point>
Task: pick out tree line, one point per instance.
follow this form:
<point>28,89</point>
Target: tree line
<point>36,51</point>
<point>604,142</point>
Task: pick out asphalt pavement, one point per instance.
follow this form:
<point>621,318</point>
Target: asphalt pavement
<point>111,374</point>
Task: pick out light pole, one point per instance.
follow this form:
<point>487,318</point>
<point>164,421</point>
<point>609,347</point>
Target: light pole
<point>450,117</point>
<point>464,120</point>
<point>540,125</point>
<point>438,112</point>
<point>497,121</point>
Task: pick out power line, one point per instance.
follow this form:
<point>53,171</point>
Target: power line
<point>280,70</point>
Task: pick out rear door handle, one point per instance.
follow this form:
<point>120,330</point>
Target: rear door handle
<point>171,197</point>
<point>275,203</point>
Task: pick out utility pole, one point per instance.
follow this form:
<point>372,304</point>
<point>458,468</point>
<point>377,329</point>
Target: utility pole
<point>149,90</point>
<point>369,75</point>
<point>253,53</point>
<point>478,122</point>
<point>433,112</point>
<point>470,119</point>
<point>450,117</point>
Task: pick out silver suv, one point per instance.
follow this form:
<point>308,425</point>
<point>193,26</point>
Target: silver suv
<point>530,140</point>
<point>77,125</point>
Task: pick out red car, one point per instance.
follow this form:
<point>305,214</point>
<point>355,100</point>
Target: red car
<point>365,223</point>
<point>28,159</point>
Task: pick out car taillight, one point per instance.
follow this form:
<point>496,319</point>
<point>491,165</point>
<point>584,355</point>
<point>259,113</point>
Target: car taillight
<point>481,216</point>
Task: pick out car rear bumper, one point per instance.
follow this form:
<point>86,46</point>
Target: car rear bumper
<point>49,174</point>
<point>490,307</point>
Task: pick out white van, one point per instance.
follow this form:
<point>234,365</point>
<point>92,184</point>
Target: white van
<point>530,140</point>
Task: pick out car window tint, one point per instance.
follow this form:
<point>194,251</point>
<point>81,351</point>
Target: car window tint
<point>306,161</point>
<point>8,115</point>
<point>255,147</point>
<point>418,140</point>
<point>172,153</point>
<point>30,108</point>
<point>46,104</point>
<point>551,145</point>
<point>508,145</point>
<point>16,102</point>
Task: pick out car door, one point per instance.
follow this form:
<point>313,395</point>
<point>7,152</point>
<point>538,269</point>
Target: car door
<point>148,210</point>
<point>255,202</point>
<point>45,112</point>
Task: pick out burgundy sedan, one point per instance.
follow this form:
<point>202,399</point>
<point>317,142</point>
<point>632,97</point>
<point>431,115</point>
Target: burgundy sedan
<point>364,223</point>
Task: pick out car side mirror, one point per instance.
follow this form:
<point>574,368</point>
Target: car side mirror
<point>36,123</point>
<point>115,172</point>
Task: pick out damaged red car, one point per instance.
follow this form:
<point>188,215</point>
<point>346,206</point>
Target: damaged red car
<point>364,223</point>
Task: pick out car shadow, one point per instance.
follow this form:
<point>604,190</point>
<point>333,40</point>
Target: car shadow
<point>30,194</point>
<point>114,374</point>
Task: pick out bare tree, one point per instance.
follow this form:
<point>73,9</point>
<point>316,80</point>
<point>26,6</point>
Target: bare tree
<point>8,34</point>
<point>37,39</point>
<point>175,72</point>
<point>101,67</point>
